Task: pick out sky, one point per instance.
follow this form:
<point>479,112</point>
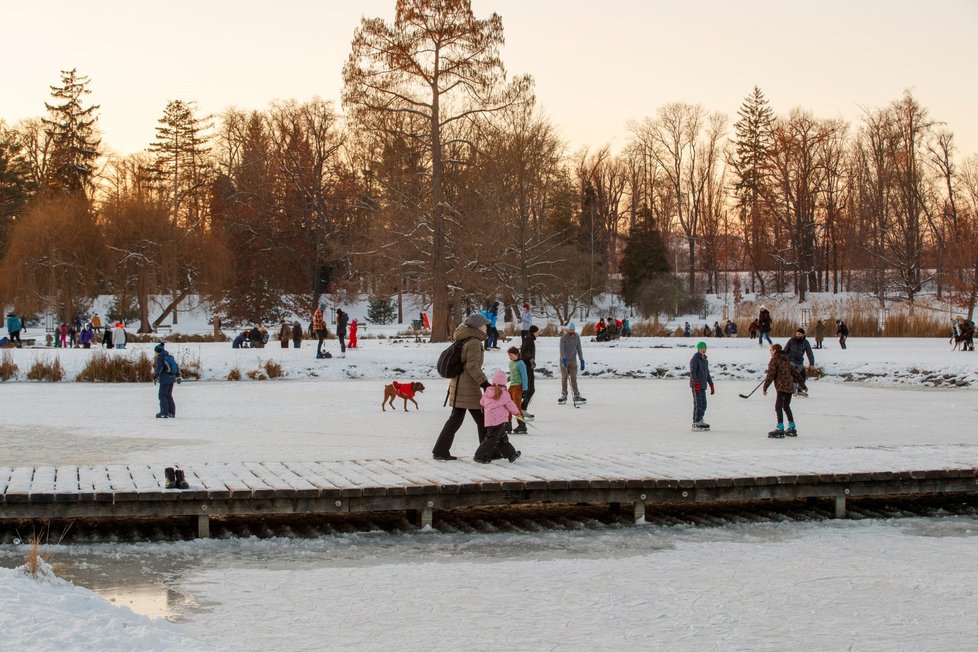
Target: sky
<point>596,66</point>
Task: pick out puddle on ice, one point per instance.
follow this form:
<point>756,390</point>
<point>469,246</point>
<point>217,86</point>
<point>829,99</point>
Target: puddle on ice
<point>153,600</point>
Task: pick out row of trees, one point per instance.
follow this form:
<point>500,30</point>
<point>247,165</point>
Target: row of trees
<point>444,179</point>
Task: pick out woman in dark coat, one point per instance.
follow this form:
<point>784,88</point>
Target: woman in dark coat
<point>782,375</point>
<point>465,390</point>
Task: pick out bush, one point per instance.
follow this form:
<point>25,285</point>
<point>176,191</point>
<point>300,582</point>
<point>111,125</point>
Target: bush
<point>8,368</point>
<point>234,374</point>
<point>381,310</point>
<point>104,367</point>
<point>257,374</point>
<point>647,328</point>
<point>176,338</point>
<point>43,369</point>
<point>274,369</point>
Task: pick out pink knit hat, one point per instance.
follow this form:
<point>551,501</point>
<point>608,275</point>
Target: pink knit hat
<point>499,378</point>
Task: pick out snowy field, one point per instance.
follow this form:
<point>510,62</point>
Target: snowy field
<point>870,584</point>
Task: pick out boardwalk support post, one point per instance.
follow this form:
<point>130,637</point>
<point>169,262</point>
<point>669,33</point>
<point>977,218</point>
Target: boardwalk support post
<point>640,510</point>
<point>203,525</point>
<point>840,505</point>
<point>427,515</point>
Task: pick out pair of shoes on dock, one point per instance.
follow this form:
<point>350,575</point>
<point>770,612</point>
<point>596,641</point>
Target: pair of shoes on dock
<point>175,478</point>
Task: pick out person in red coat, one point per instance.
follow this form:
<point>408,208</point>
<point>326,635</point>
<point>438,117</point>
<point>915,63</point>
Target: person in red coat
<point>353,335</point>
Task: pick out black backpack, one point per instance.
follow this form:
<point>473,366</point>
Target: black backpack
<point>450,363</point>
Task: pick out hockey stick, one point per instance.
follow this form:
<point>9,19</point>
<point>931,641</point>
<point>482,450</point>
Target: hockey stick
<point>525,422</point>
<point>751,391</point>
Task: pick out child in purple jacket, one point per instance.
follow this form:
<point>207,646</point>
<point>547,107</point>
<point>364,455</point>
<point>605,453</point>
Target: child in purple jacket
<point>498,405</point>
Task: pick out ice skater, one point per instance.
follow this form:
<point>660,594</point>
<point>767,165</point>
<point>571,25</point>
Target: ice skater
<point>167,373</point>
<point>782,375</point>
<point>796,349</point>
<point>570,353</point>
<point>699,380</point>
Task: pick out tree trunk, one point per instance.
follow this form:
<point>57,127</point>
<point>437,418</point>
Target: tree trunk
<point>439,266</point>
<point>166,311</point>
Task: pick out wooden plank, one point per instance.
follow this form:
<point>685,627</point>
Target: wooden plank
<point>259,488</point>
<point>354,479</point>
<point>420,481</point>
<point>299,485</point>
<point>42,484</point>
<point>346,487</point>
<point>19,486</point>
<point>223,478</point>
<point>66,485</point>
<point>93,483</point>
<point>280,487</point>
<point>310,471</point>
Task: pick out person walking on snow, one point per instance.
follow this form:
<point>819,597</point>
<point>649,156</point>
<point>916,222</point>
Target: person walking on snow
<point>296,335</point>
<point>699,380</point>
<point>796,349</point>
<point>14,326</point>
<point>465,390</point>
<point>353,335</point>
<point>498,405</point>
<point>570,353</point>
<point>167,373</point>
<point>783,376</point>
<point>526,320</point>
<point>764,326</point>
<point>492,313</point>
<point>284,335</point>
<point>819,334</point>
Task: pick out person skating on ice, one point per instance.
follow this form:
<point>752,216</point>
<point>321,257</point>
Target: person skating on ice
<point>782,375</point>
<point>699,380</point>
<point>764,326</point>
<point>517,384</point>
<point>167,373</point>
<point>796,349</point>
<point>570,353</point>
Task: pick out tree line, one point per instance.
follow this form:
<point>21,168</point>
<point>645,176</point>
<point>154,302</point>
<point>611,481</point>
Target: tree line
<point>443,178</point>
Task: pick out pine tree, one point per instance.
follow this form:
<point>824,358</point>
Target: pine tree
<point>754,141</point>
<point>644,260</point>
<point>74,139</point>
<point>14,182</point>
<point>180,161</point>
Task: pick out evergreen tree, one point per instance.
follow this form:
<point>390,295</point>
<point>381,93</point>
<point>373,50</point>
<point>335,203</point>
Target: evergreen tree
<point>74,139</point>
<point>180,161</point>
<point>644,260</point>
<point>754,136</point>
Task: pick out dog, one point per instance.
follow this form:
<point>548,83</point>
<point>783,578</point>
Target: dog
<point>405,391</point>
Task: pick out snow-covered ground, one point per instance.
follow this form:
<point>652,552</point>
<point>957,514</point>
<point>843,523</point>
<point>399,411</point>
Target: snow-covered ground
<point>865,585</point>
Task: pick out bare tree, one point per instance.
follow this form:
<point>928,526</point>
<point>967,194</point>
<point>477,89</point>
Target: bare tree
<point>440,63</point>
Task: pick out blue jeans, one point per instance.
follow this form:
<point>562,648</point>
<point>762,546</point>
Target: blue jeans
<point>167,406</point>
<point>767,334</point>
<point>699,405</point>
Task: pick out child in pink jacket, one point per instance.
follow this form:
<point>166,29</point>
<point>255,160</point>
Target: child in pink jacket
<point>497,405</point>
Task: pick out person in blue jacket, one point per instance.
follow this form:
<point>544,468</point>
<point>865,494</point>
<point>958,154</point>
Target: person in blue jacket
<point>167,373</point>
<point>14,326</point>
<point>491,313</point>
<point>699,380</point>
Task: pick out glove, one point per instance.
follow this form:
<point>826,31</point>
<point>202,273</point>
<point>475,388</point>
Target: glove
<point>697,387</point>
<point>563,362</point>
<point>180,380</point>
<point>712,391</point>
<point>154,379</point>
<point>484,385</point>
<point>582,364</point>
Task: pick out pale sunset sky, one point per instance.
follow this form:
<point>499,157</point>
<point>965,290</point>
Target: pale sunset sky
<point>596,64</point>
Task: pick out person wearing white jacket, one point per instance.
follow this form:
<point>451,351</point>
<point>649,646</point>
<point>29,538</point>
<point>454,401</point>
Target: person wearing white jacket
<point>119,336</point>
<point>526,320</point>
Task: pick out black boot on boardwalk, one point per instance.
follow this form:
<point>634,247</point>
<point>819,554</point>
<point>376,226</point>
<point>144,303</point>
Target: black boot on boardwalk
<point>171,478</point>
<point>181,479</point>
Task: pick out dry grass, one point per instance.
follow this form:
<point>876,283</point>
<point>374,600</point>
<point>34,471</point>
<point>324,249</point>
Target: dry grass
<point>176,338</point>
<point>8,368</point>
<point>861,315</point>
<point>234,374</point>
<point>46,370</point>
<point>274,369</point>
<point>189,365</point>
<point>36,560</point>
<point>106,367</point>
<point>257,374</point>
<point>647,328</point>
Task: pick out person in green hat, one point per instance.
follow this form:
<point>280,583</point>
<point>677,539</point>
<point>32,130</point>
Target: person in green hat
<point>699,380</point>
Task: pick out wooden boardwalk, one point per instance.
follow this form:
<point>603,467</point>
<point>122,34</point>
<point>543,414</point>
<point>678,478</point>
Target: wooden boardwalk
<point>119,492</point>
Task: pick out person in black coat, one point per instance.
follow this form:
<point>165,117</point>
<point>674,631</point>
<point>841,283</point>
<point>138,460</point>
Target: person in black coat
<point>528,354</point>
<point>296,335</point>
<point>797,348</point>
<point>342,319</point>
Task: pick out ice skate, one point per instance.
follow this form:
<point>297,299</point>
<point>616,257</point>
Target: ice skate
<point>791,431</point>
<point>562,400</point>
<point>699,426</point>
<point>777,433</point>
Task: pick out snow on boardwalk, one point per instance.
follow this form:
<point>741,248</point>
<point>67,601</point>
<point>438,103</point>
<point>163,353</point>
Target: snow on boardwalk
<point>120,491</point>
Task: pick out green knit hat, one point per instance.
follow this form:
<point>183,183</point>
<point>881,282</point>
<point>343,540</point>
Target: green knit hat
<point>700,346</point>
